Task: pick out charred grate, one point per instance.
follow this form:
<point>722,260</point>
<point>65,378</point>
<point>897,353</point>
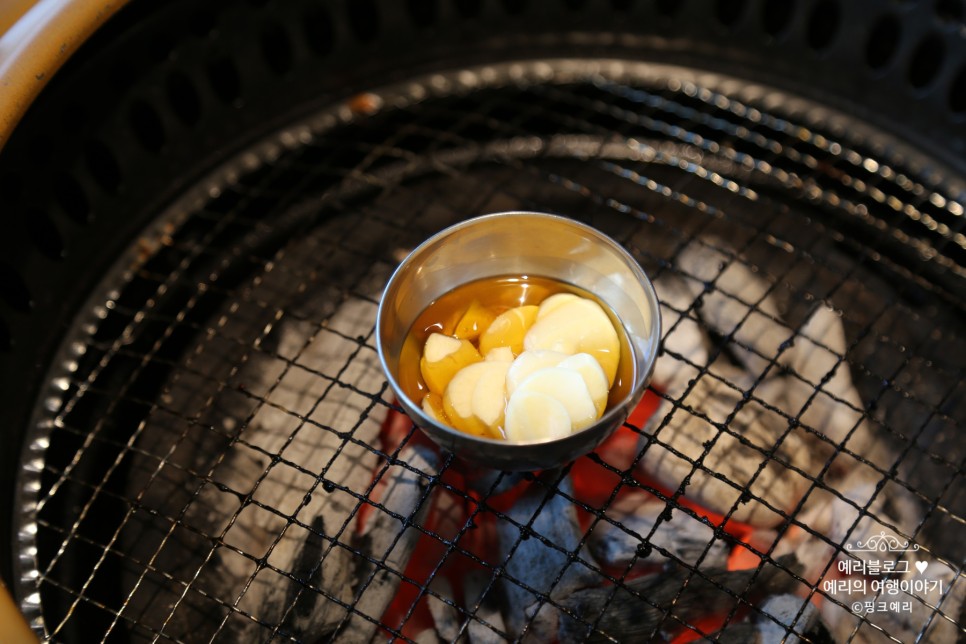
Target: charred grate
<point>220,457</point>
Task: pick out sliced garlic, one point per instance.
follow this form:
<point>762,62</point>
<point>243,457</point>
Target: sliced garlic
<point>576,325</point>
<point>475,321</point>
<point>489,397</point>
<point>554,302</point>
<point>439,346</point>
<point>509,329</point>
<point>528,362</point>
<point>475,398</point>
<point>443,357</point>
<point>568,387</point>
<point>500,354</point>
<point>546,373</point>
<point>534,416</point>
<point>593,375</point>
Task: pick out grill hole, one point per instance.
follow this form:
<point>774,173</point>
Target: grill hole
<point>44,234</point>
<point>183,98</point>
<point>469,8</point>
<point>514,7</point>
<point>883,41</point>
<point>13,291</point>
<point>575,5</point>
<point>363,19</point>
<point>957,92</point>
<point>926,61</point>
<point>71,198</point>
<point>621,5</point>
<point>669,7</point>
<point>823,24</point>
<point>776,15</point>
<point>10,187</point>
<point>74,117</point>
<point>317,25</point>
<point>276,48</point>
<point>201,23</point>
<point>102,165</point>
<point>160,48</point>
<point>6,342</point>
<point>121,75</point>
<point>729,12</point>
<point>224,79</point>
<point>147,126</point>
<point>423,12</point>
<point>40,149</point>
<point>950,11</point>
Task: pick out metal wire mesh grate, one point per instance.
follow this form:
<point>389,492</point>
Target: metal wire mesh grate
<point>222,459</point>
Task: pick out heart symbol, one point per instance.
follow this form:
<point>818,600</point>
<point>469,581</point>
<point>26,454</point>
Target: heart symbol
<point>921,566</point>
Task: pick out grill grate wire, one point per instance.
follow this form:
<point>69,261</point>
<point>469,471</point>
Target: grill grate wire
<point>214,289</point>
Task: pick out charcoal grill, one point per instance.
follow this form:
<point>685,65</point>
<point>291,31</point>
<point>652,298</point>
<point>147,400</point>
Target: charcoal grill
<point>174,277</point>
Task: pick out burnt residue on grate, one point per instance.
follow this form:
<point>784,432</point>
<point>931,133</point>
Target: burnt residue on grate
<point>225,460</point>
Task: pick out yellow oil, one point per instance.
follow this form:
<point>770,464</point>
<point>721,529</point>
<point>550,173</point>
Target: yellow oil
<point>498,294</point>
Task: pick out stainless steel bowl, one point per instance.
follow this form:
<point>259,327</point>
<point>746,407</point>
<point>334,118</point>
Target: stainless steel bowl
<point>521,243</point>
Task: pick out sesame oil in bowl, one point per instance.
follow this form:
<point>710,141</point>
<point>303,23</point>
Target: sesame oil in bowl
<point>483,300</point>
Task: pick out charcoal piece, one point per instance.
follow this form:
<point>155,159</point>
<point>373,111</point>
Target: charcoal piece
<point>389,537</point>
<point>655,606</point>
<point>763,630</point>
<point>485,621</point>
<point>538,555</point>
<point>784,618</point>
<point>638,516</point>
<point>446,617</point>
<point>726,449</point>
<point>488,481</point>
<point>738,306</point>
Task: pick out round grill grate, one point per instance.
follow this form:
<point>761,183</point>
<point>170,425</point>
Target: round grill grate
<point>220,457</point>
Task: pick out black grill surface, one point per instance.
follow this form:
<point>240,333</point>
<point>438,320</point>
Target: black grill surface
<point>223,385</point>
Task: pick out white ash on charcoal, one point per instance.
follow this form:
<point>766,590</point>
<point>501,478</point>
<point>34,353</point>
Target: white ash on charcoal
<point>219,467</point>
<point>322,429</point>
<point>485,623</point>
<point>852,510</point>
<point>446,616</point>
<point>871,506</point>
<point>773,406</point>
<point>819,391</point>
<point>683,347</point>
<point>735,455</point>
<point>275,497</point>
<point>737,303</point>
<point>427,636</point>
<point>539,547</point>
<point>644,528</point>
<point>787,618</point>
<point>654,607</point>
<point>792,390</point>
<point>750,469</point>
<point>388,538</point>
<point>782,618</point>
